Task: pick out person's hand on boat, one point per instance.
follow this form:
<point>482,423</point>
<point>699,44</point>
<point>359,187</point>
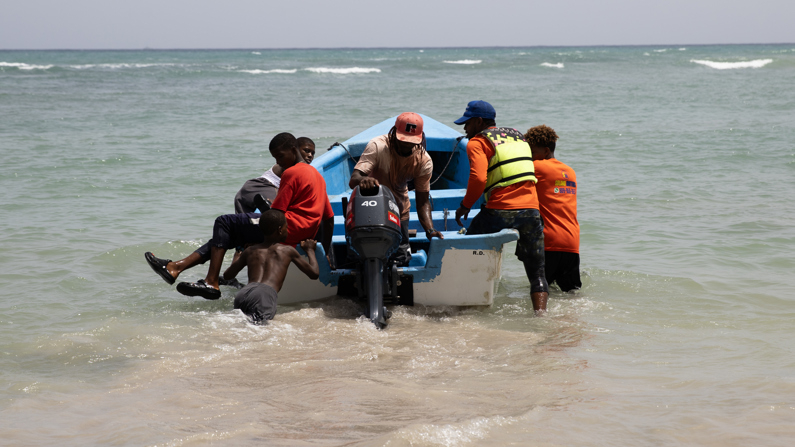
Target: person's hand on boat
<point>432,233</point>
<point>309,245</point>
<point>462,211</point>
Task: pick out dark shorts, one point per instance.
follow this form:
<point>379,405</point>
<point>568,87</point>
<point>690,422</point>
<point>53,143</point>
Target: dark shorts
<point>244,199</point>
<point>232,230</point>
<point>529,248</point>
<point>258,301</point>
<point>563,268</point>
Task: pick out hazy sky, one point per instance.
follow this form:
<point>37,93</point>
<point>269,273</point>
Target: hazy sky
<point>89,24</point>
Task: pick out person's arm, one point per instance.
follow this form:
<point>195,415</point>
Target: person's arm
<point>360,179</point>
<point>478,167</point>
<point>424,211</point>
<point>237,265</point>
<point>366,165</point>
<point>310,268</point>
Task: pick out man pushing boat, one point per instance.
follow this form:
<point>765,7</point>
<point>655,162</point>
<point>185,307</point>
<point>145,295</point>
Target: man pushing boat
<point>501,168</point>
<point>393,160</point>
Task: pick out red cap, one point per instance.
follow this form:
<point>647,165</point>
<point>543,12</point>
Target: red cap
<point>409,127</point>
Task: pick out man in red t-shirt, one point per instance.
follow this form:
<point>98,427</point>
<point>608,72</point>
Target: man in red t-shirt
<point>557,200</point>
<point>302,198</point>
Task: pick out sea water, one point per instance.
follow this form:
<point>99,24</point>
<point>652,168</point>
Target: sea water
<point>681,335</point>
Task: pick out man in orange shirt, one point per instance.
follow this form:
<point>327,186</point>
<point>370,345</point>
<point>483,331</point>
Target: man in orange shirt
<point>501,167</point>
<point>557,200</point>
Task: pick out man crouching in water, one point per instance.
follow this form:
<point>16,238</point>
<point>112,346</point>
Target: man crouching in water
<point>267,264</point>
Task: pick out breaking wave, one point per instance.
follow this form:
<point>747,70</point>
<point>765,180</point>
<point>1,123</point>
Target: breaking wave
<point>758,63</point>
<point>464,62</point>
<point>547,64</point>
<point>277,70</point>
<point>351,70</point>
<point>23,66</point>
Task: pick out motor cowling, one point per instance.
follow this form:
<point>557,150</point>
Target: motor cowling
<point>372,223</point>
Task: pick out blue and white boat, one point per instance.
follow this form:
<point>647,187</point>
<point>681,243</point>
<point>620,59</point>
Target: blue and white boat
<point>459,270</point>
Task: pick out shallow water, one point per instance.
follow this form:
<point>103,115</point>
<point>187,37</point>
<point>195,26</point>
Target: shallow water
<point>680,335</point>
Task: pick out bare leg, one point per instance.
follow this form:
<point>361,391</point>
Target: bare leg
<point>177,267</point>
<point>538,281</point>
<point>216,261</point>
<point>539,302</point>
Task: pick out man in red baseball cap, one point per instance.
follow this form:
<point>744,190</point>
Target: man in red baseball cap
<point>393,160</point>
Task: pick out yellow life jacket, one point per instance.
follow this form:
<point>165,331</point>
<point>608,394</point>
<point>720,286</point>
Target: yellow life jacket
<point>512,161</point>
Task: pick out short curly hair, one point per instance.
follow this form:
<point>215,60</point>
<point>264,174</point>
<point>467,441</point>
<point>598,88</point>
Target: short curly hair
<point>542,135</point>
<point>270,221</point>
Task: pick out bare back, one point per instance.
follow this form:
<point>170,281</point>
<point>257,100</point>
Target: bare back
<point>268,263</point>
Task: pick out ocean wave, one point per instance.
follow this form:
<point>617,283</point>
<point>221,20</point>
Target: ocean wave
<point>256,52</point>
<point>23,66</point>
<point>757,63</point>
<point>276,70</point>
<point>351,70</point>
<point>464,62</point>
<point>118,66</point>
<point>548,64</point>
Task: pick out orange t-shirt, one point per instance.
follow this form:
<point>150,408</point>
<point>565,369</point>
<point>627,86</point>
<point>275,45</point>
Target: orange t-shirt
<point>557,199</point>
<point>518,196</point>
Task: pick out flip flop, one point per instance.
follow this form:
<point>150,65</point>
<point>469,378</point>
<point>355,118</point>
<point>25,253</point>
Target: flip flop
<point>159,266</point>
<point>199,288</point>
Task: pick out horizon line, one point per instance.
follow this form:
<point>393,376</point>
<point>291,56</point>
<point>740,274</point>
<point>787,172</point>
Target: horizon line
<point>392,48</point>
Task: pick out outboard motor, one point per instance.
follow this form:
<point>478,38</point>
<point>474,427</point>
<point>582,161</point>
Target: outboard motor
<point>372,231</point>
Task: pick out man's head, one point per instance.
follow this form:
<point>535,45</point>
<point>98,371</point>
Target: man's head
<point>407,133</point>
<point>478,116</point>
<point>273,225</point>
<point>284,149</point>
<point>307,148</point>
<point>542,140</point>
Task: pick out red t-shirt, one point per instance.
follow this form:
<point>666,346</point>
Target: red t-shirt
<point>557,200</point>
<point>302,197</point>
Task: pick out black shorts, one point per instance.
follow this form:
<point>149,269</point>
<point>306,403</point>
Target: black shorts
<point>529,248</point>
<point>258,301</point>
<point>230,231</point>
<point>563,268</point>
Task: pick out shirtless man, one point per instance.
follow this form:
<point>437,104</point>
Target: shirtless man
<point>267,264</point>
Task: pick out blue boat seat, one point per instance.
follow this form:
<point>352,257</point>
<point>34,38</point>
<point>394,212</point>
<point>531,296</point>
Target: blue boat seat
<point>418,258</point>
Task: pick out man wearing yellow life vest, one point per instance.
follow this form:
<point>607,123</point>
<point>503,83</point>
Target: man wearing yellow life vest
<point>501,168</point>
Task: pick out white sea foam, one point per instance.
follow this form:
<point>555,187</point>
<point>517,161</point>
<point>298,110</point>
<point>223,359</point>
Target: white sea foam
<point>118,66</point>
<point>276,70</point>
<point>464,62</point>
<point>23,66</point>
<point>351,70</point>
<point>661,51</point>
<point>683,49</point>
<point>757,63</point>
<point>256,52</point>
<point>548,64</point>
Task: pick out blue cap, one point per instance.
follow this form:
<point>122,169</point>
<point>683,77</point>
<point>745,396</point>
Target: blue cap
<point>477,109</point>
